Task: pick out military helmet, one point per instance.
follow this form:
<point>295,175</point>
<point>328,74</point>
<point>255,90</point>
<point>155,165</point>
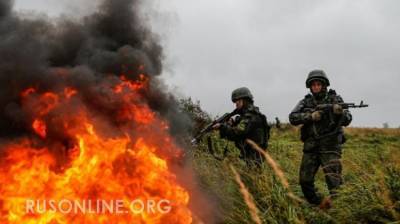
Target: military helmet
<point>317,75</point>
<point>241,93</point>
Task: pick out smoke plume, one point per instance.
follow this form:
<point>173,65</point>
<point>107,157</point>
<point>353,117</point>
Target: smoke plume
<point>87,55</point>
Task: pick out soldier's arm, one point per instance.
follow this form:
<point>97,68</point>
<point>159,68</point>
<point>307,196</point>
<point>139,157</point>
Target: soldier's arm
<point>298,116</point>
<point>236,132</point>
<point>347,117</point>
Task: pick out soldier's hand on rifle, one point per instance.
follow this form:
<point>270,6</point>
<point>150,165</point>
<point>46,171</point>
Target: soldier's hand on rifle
<point>337,109</point>
<point>316,115</point>
<point>216,126</point>
<point>230,121</point>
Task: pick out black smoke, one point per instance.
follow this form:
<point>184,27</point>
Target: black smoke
<point>114,40</point>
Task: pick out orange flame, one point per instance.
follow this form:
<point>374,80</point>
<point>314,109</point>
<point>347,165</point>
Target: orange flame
<point>69,92</point>
<point>39,127</point>
<point>100,168</point>
<point>27,92</point>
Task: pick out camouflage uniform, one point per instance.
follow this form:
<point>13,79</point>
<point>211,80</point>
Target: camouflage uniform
<point>322,139</point>
<point>250,124</point>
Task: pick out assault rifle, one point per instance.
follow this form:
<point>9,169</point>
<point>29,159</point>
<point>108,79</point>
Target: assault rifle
<point>209,127</point>
<point>328,107</point>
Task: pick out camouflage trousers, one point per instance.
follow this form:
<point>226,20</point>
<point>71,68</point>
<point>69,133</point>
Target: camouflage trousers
<point>332,167</point>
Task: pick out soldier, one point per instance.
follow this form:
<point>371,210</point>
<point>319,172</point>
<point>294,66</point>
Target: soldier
<point>278,123</point>
<point>250,124</point>
<point>322,134</point>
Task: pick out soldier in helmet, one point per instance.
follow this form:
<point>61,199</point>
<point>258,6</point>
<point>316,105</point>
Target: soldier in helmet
<point>250,124</point>
<point>322,134</point>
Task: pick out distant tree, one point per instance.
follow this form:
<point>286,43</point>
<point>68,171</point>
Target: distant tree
<point>386,125</point>
<point>195,112</point>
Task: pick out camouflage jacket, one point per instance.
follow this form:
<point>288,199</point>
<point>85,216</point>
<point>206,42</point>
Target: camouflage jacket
<point>250,124</point>
<point>326,133</point>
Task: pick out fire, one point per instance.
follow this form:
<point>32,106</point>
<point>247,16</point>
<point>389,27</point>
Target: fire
<point>27,92</point>
<point>133,164</point>
<point>69,92</point>
<point>40,128</point>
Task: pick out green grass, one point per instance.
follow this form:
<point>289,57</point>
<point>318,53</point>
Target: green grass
<point>371,193</point>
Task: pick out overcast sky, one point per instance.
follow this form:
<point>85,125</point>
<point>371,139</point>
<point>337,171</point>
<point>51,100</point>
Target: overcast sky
<point>213,47</point>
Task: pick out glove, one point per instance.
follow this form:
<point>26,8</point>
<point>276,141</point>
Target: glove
<point>316,116</point>
<point>231,121</point>
<point>337,109</point>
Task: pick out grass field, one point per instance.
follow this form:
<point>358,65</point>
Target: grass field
<point>370,194</point>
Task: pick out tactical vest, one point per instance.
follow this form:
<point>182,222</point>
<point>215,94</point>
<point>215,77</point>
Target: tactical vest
<point>328,126</point>
<point>259,129</point>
